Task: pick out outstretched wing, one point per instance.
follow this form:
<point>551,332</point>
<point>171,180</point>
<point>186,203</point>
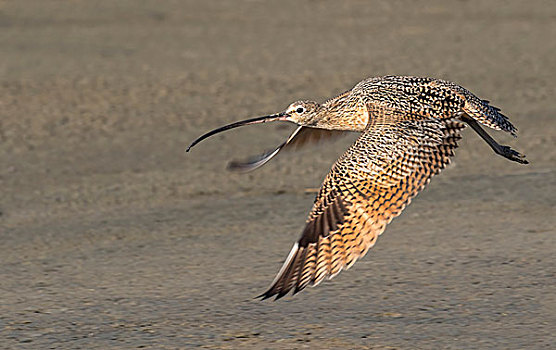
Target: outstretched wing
<point>367,187</point>
<point>301,137</point>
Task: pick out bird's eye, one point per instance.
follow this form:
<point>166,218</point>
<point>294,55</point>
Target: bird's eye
<point>300,110</point>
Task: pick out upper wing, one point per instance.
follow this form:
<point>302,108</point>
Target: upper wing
<point>431,98</point>
<point>366,188</point>
<point>301,137</point>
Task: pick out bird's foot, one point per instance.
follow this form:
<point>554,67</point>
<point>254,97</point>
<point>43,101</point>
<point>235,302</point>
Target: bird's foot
<point>511,154</point>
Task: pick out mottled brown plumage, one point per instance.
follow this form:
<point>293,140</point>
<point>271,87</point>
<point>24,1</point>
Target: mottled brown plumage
<point>410,127</point>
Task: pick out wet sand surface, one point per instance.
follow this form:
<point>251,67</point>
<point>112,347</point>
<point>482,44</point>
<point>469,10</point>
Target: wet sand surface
<point>113,237</point>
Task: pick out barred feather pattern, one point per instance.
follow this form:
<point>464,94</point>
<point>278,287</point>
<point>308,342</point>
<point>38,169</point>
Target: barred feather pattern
<point>369,185</point>
<point>430,97</point>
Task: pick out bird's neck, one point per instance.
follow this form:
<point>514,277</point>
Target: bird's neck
<point>343,115</point>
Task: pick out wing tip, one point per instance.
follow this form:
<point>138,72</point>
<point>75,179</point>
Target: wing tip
<point>271,292</point>
<point>266,295</point>
<point>274,288</point>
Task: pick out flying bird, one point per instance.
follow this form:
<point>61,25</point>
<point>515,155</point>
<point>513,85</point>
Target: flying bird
<point>409,129</point>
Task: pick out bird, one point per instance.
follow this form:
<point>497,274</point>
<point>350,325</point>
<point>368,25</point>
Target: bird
<point>409,128</point>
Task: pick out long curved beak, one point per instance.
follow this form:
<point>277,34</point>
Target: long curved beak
<point>265,119</point>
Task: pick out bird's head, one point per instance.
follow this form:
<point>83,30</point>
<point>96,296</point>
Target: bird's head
<point>303,113</point>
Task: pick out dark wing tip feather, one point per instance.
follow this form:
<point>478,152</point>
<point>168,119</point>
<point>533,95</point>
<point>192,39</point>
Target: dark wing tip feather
<point>293,274</point>
<point>301,137</point>
<point>254,162</point>
<point>279,286</point>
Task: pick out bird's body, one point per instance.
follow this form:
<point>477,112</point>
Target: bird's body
<point>410,127</point>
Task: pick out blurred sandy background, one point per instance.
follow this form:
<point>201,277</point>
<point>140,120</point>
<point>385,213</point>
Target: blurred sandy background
<point>112,237</point>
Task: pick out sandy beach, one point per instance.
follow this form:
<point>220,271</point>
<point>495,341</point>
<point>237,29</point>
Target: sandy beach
<point>114,238</point>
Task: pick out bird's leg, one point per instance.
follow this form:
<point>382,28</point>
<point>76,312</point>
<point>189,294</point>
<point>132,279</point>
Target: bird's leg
<point>504,151</point>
